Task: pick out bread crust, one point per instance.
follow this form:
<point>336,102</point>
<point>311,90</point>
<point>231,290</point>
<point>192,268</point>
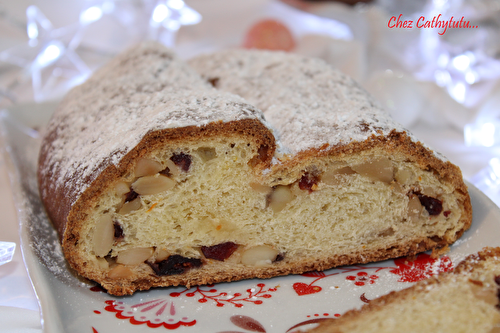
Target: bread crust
<point>470,263</point>
<point>227,273</point>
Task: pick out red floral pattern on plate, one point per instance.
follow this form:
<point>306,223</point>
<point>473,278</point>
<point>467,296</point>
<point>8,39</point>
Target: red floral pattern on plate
<point>155,313</point>
<point>409,271</point>
<point>162,312</point>
<point>421,268</point>
<point>306,289</point>
<point>253,295</point>
<point>361,278</point>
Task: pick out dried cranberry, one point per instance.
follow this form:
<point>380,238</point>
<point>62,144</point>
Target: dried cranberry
<point>220,251</point>
<point>447,213</point>
<point>307,182</point>
<point>182,160</point>
<point>131,195</point>
<point>175,264</point>
<point>432,205</point>
<point>118,230</point>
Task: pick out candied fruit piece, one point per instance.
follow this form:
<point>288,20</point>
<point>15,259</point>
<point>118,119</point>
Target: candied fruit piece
<point>183,161</point>
<point>432,205</point>
<point>131,195</point>
<point>308,182</point>
<point>206,153</point>
<point>175,264</point>
<point>119,235</point>
<point>220,251</point>
<point>279,257</point>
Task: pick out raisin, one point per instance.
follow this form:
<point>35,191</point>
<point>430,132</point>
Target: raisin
<point>432,205</point>
<point>308,182</point>
<point>131,195</point>
<point>220,251</point>
<point>447,213</point>
<point>175,264</point>
<point>119,235</point>
<point>165,172</point>
<point>437,239</point>
<point>279,257</point>
<point>497,281</point>
<point>214,81</point>
<point>183,161</point>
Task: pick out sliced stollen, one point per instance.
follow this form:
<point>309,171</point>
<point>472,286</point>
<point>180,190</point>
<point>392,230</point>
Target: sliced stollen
<point>143,164</point>
<point>465,300</point>
<point>155,178</point>
<point>373,189</point>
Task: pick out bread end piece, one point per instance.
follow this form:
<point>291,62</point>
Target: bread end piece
<point>464,300</point>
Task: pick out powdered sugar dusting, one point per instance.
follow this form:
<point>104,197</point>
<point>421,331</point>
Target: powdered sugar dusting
<point>144,90</point>
<point>308,101</point>
<point>39,240</point>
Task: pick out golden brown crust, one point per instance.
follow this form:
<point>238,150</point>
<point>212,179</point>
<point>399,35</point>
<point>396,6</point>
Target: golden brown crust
<point>230,273</point>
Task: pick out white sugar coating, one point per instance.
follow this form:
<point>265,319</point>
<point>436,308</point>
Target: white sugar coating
<point>141,91</point>
<point>305,99</point>
<point>308,104</point>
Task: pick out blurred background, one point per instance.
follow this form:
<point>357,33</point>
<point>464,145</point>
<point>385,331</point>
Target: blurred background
<point>440,82</point>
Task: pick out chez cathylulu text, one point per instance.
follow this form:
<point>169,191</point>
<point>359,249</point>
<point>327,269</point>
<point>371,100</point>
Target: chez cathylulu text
<point>437,22</point>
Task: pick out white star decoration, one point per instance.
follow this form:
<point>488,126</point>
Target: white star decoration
<point>167,17</point>
<point>123,23</point>
<point>49,57</point>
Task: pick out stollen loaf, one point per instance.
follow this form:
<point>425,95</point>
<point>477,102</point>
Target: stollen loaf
<point>154,177</point>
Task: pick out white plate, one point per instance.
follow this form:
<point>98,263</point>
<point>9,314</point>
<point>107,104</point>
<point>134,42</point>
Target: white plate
<point>282,304</point>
